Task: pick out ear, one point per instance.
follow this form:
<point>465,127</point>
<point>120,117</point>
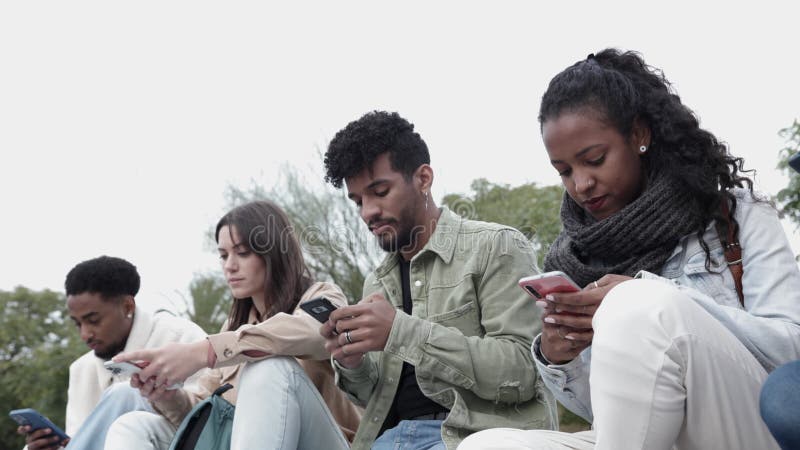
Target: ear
<point>423,178</point>
<point>128,305</point>
<point>640,135</point>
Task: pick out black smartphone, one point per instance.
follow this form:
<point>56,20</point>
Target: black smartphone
<point>319,308</point>
<point>36,421</point>
<point>794,162</point>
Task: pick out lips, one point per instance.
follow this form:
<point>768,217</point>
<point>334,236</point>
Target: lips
<point>232,281</point>
<point>378,228</point>
<point>595,203</point>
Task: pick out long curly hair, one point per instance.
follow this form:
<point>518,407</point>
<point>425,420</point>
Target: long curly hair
<point>356,147</point>
<point>621,89</point>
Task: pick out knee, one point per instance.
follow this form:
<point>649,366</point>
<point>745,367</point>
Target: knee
<point>131,425</point>
<point>636,304</point>
<point>121,392</point>
<point>270,368</point>
<point>780,401</point>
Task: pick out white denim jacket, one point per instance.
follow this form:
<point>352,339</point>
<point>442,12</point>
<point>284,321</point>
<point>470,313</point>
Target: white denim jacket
<point>769,323</point>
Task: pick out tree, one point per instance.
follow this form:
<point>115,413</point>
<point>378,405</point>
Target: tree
<point>209,304</point>
<point>789,197</point>
<point>37,344</point>
<point>529,208</point>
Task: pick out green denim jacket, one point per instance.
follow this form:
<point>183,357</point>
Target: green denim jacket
<point>468,338</point>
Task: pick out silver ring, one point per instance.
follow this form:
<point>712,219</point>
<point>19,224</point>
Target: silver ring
<point>347,337</point>
<point>595,284</point>
<point>558,330</point>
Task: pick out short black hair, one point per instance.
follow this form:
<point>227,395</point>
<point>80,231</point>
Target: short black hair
<point>105,275</point>
<point>356,147</point>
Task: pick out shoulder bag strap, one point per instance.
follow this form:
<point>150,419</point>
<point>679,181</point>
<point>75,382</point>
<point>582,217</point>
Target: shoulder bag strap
<point>730,245</point>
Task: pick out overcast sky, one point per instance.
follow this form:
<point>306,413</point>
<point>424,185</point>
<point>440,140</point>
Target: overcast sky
<point>121,124</point>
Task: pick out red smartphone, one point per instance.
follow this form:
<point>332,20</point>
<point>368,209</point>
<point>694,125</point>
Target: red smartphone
<point>537,286</point>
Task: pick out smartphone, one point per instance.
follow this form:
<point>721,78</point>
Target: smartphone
<point>319,308</point>
<point>546,283</point>
<point>794,162</point>
<point>36,421</point>
<point>122,368</point>
<point>127,368</point>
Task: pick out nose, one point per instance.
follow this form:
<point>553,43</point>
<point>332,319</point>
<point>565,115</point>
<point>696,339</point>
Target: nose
<point>231,263</point>
<point>584,182</point>
<point>369,210</point>
<point>86,333</point>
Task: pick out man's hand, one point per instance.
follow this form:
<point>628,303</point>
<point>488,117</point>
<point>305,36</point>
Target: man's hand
<point>167,365</point>
<point>149,390</point>
<point>352,331</point>
<point>37,440</point>
<point>567,329</point>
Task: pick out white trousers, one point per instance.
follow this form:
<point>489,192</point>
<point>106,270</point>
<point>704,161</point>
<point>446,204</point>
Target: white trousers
<point>277,407</point>
<point>664,374</point>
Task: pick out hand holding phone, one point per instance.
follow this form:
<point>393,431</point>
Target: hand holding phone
<point>537,286</point>
<point>32,418</point>
<point>128,368</point>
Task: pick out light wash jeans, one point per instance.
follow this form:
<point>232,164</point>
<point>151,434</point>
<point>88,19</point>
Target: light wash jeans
<point>277,407</point>
<point>412,435</point>
<point>780,404</point>
<point>117,399</point>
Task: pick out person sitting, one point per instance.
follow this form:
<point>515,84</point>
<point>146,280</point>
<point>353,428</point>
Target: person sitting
<point>101,300</point>
<point>691,289</point>
<point>270,350</point>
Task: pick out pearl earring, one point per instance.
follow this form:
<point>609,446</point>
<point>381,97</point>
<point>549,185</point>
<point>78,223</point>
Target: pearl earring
<point>130,316</point>
<point>642,149</point>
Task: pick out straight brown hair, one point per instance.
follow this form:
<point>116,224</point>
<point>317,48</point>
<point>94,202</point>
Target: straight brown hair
<point>265,229</point>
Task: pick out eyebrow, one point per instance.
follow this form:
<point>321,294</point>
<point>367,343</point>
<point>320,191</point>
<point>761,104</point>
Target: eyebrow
<point>86,316</point>
<point>372,185</point>
<point>233,247</point>
<point>577,155</point>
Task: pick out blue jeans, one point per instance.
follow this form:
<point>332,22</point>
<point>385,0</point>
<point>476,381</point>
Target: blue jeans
<point>412,435</point>
<point>116,400</point>
<point>780,404</point>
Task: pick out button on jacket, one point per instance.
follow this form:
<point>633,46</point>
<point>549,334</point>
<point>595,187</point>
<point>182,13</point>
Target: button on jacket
<point>468,336</point>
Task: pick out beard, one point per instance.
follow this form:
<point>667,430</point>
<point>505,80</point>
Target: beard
<point>404,237</point>
<point>111,351</point>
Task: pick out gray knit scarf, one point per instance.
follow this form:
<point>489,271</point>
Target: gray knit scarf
<point>639,237</point>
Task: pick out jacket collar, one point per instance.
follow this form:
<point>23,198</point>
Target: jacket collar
<point>442,242</point>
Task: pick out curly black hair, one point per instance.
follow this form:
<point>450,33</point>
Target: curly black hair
<point>621,89</point>
<point>106,275</point>
<point>356,147</point>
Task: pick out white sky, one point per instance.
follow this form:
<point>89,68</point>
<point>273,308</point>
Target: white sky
<point>121,124</point>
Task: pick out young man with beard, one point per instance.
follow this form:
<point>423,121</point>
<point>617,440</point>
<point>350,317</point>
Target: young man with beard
<point>439,346</point>
<point>100,300</point>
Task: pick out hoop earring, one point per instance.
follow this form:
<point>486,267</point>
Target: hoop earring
<point>642,149</point>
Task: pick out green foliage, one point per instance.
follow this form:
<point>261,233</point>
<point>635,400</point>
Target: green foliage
<point>37,344</point>
<point>210,302</point>
<point>789,197</point>
<point>529,208</point>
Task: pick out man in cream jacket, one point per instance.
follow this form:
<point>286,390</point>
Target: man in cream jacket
<point>100,300</point>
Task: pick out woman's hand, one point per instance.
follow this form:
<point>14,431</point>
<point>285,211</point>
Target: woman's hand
<point>167,365</point>
<point>567,329</point>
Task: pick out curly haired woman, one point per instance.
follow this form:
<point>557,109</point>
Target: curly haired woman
<point>665,347</point>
